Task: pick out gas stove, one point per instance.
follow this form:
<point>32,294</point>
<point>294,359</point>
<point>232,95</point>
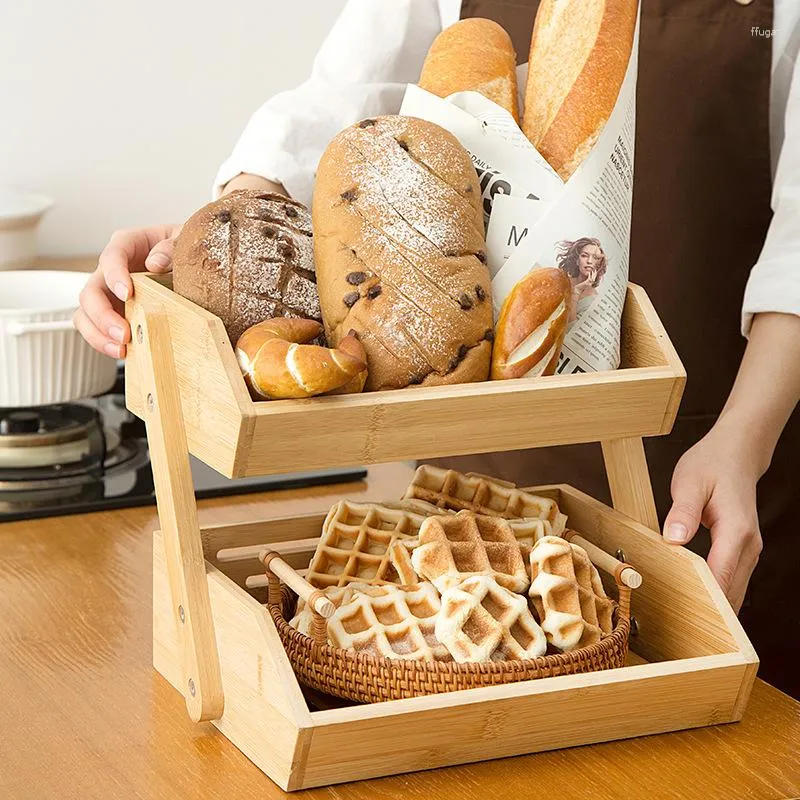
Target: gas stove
<point>92,455</point>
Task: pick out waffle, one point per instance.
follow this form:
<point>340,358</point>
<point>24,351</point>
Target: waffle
<point>455,547</point>
<point>355,543</point>
<point>400,559</point>
<point>482,621</point>
<point>527,532</point>
<point>449,489</point>
<point>566,592</point>
<point>417,506</point>
<point>338,595</point>
<point>390,621</point>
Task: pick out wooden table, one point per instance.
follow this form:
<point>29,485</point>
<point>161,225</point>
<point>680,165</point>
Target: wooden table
<point>83,715</point>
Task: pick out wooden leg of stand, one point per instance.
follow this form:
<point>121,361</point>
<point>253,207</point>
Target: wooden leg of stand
<point>177,513</point>
<point>629,480</point>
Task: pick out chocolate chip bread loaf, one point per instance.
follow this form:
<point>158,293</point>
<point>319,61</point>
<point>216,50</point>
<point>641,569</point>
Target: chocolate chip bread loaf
<point>399,248</point>
<point>248,257</point>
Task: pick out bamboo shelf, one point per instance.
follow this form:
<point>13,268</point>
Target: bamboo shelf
<point>215,642</point>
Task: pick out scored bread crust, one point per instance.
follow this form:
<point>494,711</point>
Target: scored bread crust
<point>473,55</point>
<point>579,54</point>
<point>248,257</point>
<point>399,248</point>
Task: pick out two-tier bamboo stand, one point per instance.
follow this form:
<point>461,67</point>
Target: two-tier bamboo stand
<point>215,642</point>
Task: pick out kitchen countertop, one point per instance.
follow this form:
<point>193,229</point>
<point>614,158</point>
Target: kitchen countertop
<point>84,715</point>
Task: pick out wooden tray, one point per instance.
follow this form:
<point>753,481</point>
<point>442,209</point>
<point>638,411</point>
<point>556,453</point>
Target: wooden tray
<point>239,437</point>
<point>700,671</point>
<point>215,642</point>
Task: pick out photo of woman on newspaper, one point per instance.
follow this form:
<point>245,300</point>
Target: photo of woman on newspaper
<point>584,261</point>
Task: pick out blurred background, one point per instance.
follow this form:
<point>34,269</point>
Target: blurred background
<point>122,112</point>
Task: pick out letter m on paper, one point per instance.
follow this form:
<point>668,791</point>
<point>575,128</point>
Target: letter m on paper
<point>514,237</point>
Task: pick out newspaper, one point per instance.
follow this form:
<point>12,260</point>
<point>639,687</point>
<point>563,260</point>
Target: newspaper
<point>535,219</point>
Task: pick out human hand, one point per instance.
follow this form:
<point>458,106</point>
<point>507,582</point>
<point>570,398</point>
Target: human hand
<point>100,319</point>
<point>714,483</point>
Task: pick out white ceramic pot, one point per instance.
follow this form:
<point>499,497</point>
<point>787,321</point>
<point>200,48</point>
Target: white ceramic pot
<point>43,359</point>
<point>20,215</point>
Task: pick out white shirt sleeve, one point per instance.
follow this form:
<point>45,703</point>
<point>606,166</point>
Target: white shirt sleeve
<point>372,52</point>
<point>774,283</point>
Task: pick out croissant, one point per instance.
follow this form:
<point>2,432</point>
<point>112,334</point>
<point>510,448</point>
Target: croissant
<point>278,363</point>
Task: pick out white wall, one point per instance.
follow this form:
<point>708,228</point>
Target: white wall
<point>123,110</point>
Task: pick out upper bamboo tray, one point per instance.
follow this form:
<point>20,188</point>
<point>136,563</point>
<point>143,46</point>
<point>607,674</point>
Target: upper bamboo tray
<point>239,437</point>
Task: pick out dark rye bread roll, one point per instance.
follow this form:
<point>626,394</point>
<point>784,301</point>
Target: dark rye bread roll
<point>399,248</point>
<point>247,257</point>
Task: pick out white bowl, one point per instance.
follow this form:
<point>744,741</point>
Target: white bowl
<point>20,215</point>
<point>43,359</point>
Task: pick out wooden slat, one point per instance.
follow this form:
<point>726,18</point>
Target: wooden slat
<point>457,420</point>
<point>629,480</point>
<point>520,718</point>
<point>178,514</point>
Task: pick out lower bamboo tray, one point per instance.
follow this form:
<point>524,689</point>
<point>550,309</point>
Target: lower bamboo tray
<point>700,666</point>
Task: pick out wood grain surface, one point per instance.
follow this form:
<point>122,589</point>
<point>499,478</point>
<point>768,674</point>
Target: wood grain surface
<point>85,716</point>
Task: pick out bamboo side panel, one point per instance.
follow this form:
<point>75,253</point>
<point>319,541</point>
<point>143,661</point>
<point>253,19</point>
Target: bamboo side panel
<point>214,399</point>
<point>677,615</point>
<point>561,712</point>
<point>265,713</point>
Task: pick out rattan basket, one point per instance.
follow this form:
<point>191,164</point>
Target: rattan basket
<point>365,678</point>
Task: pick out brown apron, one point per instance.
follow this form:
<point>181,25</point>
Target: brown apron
<point>700,215</point>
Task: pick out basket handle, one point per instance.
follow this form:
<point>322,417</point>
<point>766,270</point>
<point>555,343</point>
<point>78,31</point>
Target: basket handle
<point>623,573</point>
<point>177,513</point>
<point>322,608</point>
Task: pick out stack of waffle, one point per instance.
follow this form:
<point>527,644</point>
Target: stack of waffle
<point>464,568</point>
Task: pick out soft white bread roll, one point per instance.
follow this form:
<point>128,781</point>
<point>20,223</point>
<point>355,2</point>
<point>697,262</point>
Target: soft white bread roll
<point>473,55</point>
<point>579,54</point>
<point>532,325</point>
<point>278,364</point>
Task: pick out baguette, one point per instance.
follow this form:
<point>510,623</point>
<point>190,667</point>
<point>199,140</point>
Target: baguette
<point>532,325</point>
<point>278,363</point>
<point>579,54</point>
<point>473,55</point>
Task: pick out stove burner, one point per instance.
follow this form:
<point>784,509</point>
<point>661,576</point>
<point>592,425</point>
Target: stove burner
<point>19,422</point>
<point>50,442</point>
<point>46,425</point>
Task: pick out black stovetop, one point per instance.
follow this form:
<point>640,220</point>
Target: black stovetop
<point>92,456</point>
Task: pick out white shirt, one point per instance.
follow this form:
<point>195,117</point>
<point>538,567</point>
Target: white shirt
<point>376,48</point>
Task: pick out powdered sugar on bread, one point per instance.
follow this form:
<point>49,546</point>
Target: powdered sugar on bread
<point>399,247</point>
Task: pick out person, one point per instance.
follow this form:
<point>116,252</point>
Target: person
<point>718,112</point>
<point>584,262</point>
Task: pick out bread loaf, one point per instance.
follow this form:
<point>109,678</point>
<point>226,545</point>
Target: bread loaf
<point>579,54</point>
<point>248,257</point>
<point>399,247</point>
<point>532,325</point>
<point>278,362</point>
<point>473,55</point>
